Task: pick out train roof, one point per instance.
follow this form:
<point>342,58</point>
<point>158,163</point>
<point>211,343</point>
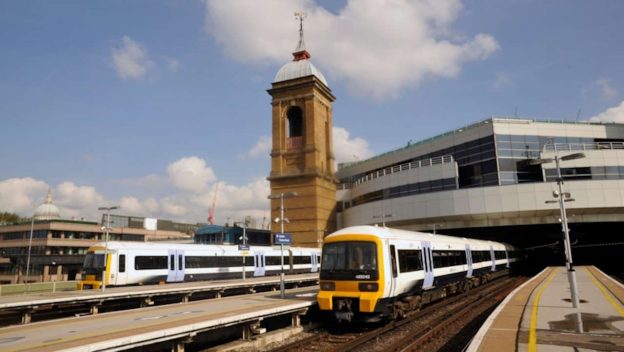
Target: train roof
<point>183,246</point>
<point>390,233</point>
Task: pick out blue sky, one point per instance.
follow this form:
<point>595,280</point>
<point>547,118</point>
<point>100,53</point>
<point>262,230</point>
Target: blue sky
<point>148,104</point>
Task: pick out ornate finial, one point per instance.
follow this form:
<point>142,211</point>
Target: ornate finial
<point>301,53</point>
<point>300,16</point>
<point>49,196</point>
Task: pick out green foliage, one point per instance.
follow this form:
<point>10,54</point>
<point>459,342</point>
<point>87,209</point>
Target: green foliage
<point>7,218</point>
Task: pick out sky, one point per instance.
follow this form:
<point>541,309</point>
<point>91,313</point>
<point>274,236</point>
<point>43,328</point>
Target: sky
<point>153,105</point>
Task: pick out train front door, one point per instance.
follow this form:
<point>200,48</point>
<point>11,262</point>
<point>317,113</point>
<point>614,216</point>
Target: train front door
<point>175,272</point>
<point>427,265</point>
<point>259,264</point>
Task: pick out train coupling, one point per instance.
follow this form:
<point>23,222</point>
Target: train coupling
<point>343,309</point>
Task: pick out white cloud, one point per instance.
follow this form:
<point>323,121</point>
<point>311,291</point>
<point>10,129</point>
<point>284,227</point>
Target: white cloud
<point>347,148</point>
<point>614,114</point>
<point>173,65</point>
<point>173,207</point>
<point>190,174</point>
<point>78,201</point>
<point>377,47</point>
<point>262,147</point>
<point>608,92</point>
<point>21,195</point>
<point>131,60</point>
<point>69,194</point>
<point>131,206</point>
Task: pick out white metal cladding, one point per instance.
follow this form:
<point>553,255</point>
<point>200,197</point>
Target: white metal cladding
<point>402,239</point>
<point>298,69</point>
<point>134,249</point>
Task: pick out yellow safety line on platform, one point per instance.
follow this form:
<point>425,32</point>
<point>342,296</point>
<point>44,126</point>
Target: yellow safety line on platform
<point>606,293</point>
<point>533,325</point>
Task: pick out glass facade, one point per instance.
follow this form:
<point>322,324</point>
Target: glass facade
<point>497,159</point>
<point>515,152</point>
<point>406,190</point>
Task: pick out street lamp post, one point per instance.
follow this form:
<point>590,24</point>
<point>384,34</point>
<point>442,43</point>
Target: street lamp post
<point>564,220</point>
<point>106,230</point>
<point>244,239</point>
<point>435,226</point>
<point>281,220</point>
<point>32,224</point>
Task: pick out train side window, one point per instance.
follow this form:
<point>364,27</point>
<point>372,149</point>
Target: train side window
<point>122,263</point>
<point>409,260</point>
<point>172,262</point>
<point>150,262</point>
<point>437,259</point>
<point>180,267</point>
<point>305,259</point>
<point>393,261</point>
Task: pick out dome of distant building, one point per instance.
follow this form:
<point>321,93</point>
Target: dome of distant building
<point>297,69</point>
<point>301,66</point>
<point>47,210</point>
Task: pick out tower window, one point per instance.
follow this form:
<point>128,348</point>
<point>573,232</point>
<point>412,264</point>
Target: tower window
<point>295,122</point>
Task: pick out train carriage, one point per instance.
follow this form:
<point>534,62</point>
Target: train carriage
<point>131,263</point>
<point>372,272</point>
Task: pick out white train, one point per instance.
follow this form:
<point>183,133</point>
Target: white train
<point>370,272</point>
<point>131,263</point>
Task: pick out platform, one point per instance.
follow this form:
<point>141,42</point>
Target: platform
<point>177,323</point>
<point>28,304</point>
<point>538,316</point>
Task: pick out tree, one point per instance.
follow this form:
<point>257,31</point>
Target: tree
<point>7,218</point>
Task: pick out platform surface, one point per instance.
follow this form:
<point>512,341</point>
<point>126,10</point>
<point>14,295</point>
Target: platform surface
<point>538,316</point>
<point>132,328</point>
<point>112,292</point>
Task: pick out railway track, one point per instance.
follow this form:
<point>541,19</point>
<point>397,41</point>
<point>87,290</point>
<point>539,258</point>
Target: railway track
<point>433,328</point>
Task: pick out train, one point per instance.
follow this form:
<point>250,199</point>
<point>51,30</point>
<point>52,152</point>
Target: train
<point>370,273</point>
<point>134,263</point>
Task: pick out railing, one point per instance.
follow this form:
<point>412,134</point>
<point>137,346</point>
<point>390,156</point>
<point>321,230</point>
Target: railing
<point>583,146</point>
<point>294,142</point>
<point>400,168</point>
<point>35,287</point>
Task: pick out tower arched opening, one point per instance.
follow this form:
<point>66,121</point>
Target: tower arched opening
<point>294,117</point>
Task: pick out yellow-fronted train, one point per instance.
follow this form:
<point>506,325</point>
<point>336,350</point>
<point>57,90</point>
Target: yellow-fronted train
<point>369,273</point>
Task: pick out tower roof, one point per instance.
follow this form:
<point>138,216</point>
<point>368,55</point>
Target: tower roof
<point>47,210</point>
<point>300,66</point>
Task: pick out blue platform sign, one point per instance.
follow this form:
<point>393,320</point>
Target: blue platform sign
<point>283,238</point>
<point>243,247</point>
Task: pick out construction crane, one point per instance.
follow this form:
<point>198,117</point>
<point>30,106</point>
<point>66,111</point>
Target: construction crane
<point>212,208</point>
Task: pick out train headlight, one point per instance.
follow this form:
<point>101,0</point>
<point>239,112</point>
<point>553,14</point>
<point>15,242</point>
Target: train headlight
<point>328,286</point>
<point>368,286</point>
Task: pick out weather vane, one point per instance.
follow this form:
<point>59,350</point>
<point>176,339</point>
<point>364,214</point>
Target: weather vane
<point>300,15</point>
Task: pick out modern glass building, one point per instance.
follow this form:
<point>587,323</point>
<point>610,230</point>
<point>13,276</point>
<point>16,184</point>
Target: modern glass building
<point>483,180</point>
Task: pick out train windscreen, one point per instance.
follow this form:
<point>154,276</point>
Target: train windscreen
<point>349,261</point>
<point>93,263</point>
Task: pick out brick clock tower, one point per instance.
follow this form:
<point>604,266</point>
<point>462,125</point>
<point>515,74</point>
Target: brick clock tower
<point>302,159</point>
